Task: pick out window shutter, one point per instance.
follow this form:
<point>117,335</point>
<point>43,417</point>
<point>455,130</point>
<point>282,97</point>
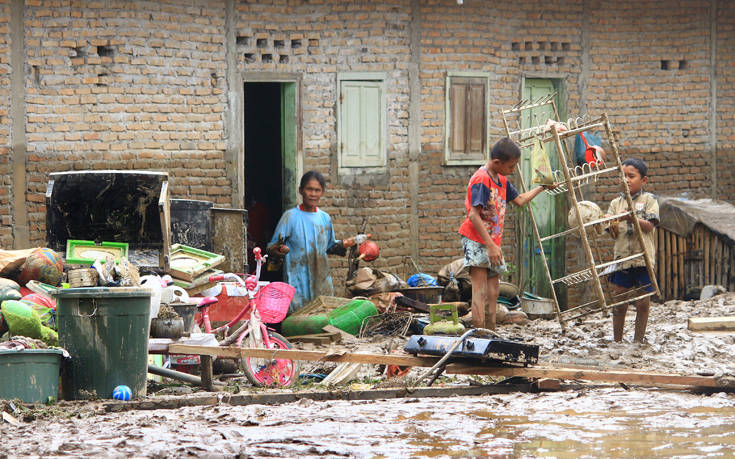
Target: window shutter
<point>362,124</point>
<point>467,119</point>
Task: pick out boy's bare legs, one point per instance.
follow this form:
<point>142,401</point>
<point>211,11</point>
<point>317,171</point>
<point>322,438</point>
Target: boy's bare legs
<point>619,314</point>
<point>493,289</point>
<point>479,295</point>
<point>641,318</point>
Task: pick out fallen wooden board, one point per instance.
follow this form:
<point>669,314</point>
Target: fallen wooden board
<point>318,338</point>
<point>588,374</point>
<point>724,323</point>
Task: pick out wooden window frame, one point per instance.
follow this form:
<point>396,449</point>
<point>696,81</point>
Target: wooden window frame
<point>461,158</point>
<point>380,167</point>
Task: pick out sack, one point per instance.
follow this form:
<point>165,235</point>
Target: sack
<point>455,277</point>
<point>541,165</point>
<point>368,281</point>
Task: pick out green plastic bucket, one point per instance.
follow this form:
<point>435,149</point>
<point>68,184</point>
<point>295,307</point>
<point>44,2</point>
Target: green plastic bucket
<point>105,329</point>
<point>350,317</point>
<point>297,325</point>
<point>30,375</point>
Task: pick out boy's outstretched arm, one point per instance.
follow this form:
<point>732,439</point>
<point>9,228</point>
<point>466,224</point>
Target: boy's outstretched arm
<point>493,251</point>
<point>523,199</point>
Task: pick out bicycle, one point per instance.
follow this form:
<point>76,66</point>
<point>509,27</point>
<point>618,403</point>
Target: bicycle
<point>269,303</point>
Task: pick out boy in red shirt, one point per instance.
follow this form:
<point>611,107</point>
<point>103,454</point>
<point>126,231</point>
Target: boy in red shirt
<point>482,230</point>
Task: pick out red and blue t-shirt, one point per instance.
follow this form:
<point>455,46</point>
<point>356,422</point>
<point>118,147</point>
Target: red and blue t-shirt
<point>483,191</point>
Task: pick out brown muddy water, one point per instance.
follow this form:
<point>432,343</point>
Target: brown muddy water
<point>595,422</point>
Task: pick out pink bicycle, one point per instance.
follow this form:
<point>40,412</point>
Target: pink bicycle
<point>267,304</point>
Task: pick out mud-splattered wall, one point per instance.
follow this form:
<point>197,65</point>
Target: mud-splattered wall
<point>144,85</point>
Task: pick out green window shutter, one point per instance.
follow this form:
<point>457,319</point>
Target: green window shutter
<point>362,140</point>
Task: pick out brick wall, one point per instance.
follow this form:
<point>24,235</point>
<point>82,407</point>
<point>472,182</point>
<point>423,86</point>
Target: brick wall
<point>142,85</point>
<point>115,85</point>
<point>6,225</point>
<point>725,100</point>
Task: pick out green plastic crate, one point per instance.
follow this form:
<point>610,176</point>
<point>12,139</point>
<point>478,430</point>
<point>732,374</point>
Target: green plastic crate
<point>73,244</point>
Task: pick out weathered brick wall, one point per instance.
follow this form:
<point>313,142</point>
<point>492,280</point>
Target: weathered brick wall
<point>125,85</point>
<point>725,100</point>
<point>6,224</point>
<point>319,40</point>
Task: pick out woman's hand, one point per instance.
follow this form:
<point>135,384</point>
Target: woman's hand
<point>351,241</point>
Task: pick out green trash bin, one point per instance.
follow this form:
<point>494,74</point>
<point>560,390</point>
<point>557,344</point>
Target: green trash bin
<point>105,329</point>
<point>30,375</point>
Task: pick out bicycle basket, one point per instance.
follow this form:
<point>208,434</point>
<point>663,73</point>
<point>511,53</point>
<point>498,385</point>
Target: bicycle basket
<point>273,301</point>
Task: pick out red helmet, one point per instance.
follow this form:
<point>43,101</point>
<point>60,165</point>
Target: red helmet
<point>370,250</point>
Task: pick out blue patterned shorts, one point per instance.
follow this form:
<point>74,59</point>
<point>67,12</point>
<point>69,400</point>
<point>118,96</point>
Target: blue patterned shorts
<point>475,254</point>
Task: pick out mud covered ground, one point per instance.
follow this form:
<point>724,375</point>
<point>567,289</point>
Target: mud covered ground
<point>591,421</point>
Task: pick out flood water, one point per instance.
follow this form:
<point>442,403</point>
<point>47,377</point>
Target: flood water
<point>599,422</point>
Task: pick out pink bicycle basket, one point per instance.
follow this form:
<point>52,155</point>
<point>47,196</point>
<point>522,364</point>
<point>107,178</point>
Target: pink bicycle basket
<point>273,301</point>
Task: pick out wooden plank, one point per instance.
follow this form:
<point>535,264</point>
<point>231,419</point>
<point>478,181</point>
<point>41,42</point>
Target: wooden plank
<point>723,323</point>
<point>669,284</point>
<point>682,255</point>
<point>318,338</point>
<point>580,373</point>
<point>706,254</point>
<point>674,264</point>
<point>661,267</point>
<point>205,366</point>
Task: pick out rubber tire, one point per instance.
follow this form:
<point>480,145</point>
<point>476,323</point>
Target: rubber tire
<point>277,342</point>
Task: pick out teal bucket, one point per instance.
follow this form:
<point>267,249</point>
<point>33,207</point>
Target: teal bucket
<point>30,375</point>
<point>105,329</point>
<point>349,317</point>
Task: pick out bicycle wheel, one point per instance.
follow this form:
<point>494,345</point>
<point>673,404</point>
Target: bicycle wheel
<point>272,372</point>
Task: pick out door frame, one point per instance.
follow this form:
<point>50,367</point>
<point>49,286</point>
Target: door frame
<point>292,151</point>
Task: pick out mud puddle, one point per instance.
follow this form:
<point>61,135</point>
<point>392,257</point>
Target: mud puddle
<point>600,422</point>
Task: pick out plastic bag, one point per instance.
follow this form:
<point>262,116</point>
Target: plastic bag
<point>541,165</point>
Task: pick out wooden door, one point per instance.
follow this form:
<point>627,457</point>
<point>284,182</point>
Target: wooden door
<point>548,210</point>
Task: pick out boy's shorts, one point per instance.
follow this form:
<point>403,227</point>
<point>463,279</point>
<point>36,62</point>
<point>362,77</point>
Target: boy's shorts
<point>632,277</point>
<point>475,254</point>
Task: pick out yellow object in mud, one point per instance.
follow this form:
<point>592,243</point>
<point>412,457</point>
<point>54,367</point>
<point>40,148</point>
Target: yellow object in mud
<point>441,324</point>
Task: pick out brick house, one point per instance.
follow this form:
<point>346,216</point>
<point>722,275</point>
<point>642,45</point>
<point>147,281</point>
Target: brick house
<point>235,99</point>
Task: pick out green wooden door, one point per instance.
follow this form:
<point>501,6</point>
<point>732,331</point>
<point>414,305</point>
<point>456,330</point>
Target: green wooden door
<point>548,210</point>
<point>289,147</point>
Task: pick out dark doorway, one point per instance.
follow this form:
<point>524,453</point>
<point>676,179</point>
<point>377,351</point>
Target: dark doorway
<point>263,164</point>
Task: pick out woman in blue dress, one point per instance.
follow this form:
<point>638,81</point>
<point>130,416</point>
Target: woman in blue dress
<point>304,236</point>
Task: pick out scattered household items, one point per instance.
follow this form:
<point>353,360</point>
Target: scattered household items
<point>426,294</point>
<point>85,277</point>
<point>348,318</point>
<point>80,252</point>
<point>105,329</point>
<point>12,260</point>
<point>443,320</point>
<point>167,324</point>
<point>188,262</point>
<point>22,319</point>
<point>191,223</point>
<point>116,206</point>
<point>587,149</point>
<point>186,311</point>
<point>421,280</point>
<point>44,265</point>
<point>455,277</point>
<point>536,307</point>
<point>387,324</point>
<point>122,393</point>
<point>370,280</point>
<point>590,212</point>
<point>480,348</point>
<point>694,235</point>
<point>30,375</point>
<point>369,250</point>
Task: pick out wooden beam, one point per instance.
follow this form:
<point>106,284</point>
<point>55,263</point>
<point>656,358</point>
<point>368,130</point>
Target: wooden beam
<point>582,373</point>
<point>712,323</point>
